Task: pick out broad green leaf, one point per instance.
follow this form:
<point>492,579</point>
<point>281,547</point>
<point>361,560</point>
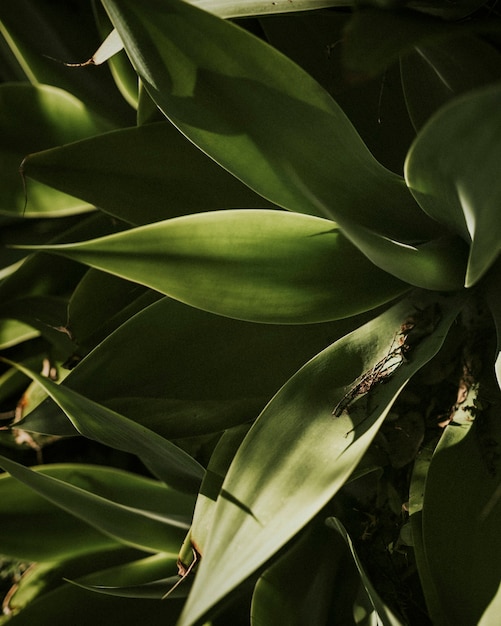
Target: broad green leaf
<point>130,525</point>
<point>265,266</point>
<point>260,116</point>
<point>58,535</point>
<point>191,372</point>
<point>141,175</point>
<point>34,118</point>
<point>168,462</point>
<point>461,518</point>
<point>434,74</point>
<point>298,454</point>
<point>452,170</point>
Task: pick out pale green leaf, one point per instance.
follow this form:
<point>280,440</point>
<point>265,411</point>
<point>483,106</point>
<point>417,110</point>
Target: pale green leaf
<point>266,266</point>
<point>298,454</point>
<point>453,171</point>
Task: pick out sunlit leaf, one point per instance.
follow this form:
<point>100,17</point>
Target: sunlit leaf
<point>260,116</point>
<point>266,266</point>
<point>298,454</point>
<point>452,169</point>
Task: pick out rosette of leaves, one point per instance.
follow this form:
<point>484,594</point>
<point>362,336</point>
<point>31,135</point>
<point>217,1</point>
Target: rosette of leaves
<point>275,288</point>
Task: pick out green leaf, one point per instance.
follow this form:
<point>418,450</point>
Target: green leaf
<point>34,118</point>
<point>57,534</point>
<point>434,74</point>
<point>452,170</point>
<point>260,116</point>
<point>297,454</point>
<point>375,38</point>
<point>373,604</point>
<point>461,518</point>
<point>234,368</point>
<point>168,462</point>
<point>43,38</point>
<point>309,584</point>
<point>266,266</point>
<point>141,175</point>
<point>436,265</point>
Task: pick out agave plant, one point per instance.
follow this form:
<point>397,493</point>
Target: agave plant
<point>261,256</point>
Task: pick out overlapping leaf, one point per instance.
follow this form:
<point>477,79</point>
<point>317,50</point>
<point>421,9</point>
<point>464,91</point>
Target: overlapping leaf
<point>148,530</point>
<point>141,175</point>
<point>260,116</point>
<point>99,511</point>
<point>297,455</point>
<point>168,462</point>
<point>452,169</point>
<point>34,118</point>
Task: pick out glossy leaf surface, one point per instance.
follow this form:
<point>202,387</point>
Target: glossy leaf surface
<point>260,116</point>
<point>266,266</point>
<point>297,455</point>
<point>452,169</point>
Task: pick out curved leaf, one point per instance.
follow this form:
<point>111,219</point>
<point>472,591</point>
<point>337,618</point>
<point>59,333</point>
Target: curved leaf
<point>57,534</point>
<point>133,526</point>
<point>168,462</point>
<point>260,116</point>
<point>297,454</point>
<point>142,174</point>
<point>192,372</point>
<point>461,518</point>
<point>434,74</point>
<point>34,118</point>
<point>266,266</point>
<point>436,265</point>
<point>452,169</point>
